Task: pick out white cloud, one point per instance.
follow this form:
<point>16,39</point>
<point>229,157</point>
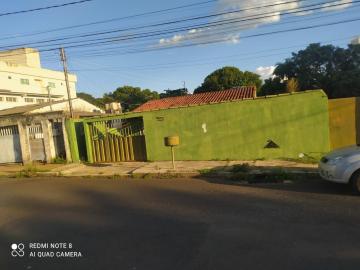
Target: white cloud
<point>230,33</point>
<point>265,72</point>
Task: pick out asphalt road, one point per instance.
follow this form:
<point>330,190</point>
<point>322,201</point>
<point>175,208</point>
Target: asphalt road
<point>179,224</point>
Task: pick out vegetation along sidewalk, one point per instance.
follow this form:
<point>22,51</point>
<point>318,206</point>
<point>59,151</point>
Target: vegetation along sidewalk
<point>251,171</point>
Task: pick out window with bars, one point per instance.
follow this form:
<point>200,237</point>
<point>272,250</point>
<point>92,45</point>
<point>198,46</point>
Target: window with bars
<point>51,84</point>
<point>24,81</point>
<point>29,100</point>
<point>11,99</point>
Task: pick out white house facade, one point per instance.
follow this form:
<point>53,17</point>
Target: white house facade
<point>24,82</point>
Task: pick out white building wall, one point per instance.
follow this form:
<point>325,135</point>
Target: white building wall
<point>78,104</point>
<point>23,81</point>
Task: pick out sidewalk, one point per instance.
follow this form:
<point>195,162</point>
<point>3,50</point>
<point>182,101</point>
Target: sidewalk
<point>13,169</point>
<point>186,168</point>
<point>182,167</point>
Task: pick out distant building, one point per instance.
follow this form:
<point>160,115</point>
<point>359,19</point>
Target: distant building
<point>113,107</point>
<point>355,41</point>
<point>24,82</point>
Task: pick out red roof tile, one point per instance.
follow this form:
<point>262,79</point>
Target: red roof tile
<point>202,98</point>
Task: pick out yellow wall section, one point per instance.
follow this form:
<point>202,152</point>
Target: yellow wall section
<point>342,113</point>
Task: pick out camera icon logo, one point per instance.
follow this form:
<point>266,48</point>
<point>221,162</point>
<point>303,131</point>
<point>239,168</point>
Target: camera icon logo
<point>17,250</point>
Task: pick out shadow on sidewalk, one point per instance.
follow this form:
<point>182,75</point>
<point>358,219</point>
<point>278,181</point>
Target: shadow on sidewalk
<point>277,178</point>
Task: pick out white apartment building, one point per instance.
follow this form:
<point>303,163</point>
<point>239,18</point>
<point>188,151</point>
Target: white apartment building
<point>24,82</point>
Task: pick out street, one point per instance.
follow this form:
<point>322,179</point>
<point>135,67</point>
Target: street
<point>154,224</point>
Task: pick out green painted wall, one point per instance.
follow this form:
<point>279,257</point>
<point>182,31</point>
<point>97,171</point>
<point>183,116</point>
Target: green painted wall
<point>298,123</point>
<point>72,137</point>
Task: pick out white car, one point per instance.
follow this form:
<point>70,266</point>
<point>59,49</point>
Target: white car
<point>342,166</point>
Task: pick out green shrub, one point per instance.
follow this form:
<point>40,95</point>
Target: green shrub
<point>244,168</point>
<point>58,160</point>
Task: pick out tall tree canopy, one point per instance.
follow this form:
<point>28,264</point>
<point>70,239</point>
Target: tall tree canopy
<point>174,93</point>
<point>130,97</point>
<point>228,77</point>
<point>335,70</point>
<point>89,98</point>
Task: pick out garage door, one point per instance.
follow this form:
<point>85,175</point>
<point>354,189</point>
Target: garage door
<point>10,144</point>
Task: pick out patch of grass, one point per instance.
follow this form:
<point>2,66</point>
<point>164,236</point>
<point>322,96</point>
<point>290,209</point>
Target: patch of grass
<point>58,160</point>
<point>167,175</point>
<point>243,168</point>
<point>117,176</point>
<point>137,175</point>
<point>29,171</point>
<point>205,171</point>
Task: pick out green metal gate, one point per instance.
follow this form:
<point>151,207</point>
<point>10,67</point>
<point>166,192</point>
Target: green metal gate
<point>118,140</point>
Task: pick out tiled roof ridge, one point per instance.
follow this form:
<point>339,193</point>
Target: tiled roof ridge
<point>235,93</point>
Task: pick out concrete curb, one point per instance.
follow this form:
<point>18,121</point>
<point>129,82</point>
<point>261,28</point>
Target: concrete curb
<point>223,175</point>
<point>208,169</point>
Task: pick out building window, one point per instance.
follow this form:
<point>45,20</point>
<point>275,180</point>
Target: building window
<point>40,100</point>
<point>51,84</point>
<point>11,99</point>
<point>1,98</point>
<point>24,81</point>
<point>29,100</point>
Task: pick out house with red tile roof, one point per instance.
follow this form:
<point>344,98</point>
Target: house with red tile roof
<point>237,93</point>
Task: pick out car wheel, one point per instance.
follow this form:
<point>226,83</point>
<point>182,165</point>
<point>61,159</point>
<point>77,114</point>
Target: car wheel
<point>355,182</point>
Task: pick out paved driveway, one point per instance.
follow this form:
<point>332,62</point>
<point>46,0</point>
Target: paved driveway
<point>178,224</point>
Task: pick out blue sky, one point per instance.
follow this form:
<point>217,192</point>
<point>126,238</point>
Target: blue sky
<point>103,68</point>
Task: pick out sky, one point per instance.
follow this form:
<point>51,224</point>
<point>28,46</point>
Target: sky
<point>163,44</point>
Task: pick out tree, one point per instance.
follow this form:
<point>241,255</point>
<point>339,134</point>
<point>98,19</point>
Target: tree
<point>130,97</point>
<point>174,93</point>
<point>228,77</point>
<point>272,86</point>
<point>335,70</point>
<point>89,98</point>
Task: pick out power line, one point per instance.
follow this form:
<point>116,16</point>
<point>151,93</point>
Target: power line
<point>221,40</point>
<point>43,8</point>
<point>158,33</point>
<point>169,22</point>
<point>207,42</point>
<point>115,49</point>
<point>222,31</point>
<point>113,39</point>
<point>177,63</point>
<point>243,37</point>
<point>250,36</point>
<point>110,20</point>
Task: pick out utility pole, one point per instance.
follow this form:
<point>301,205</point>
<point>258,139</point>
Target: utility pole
<point>63,59</point>
<point>184,84</point>
<point>49,95</point>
